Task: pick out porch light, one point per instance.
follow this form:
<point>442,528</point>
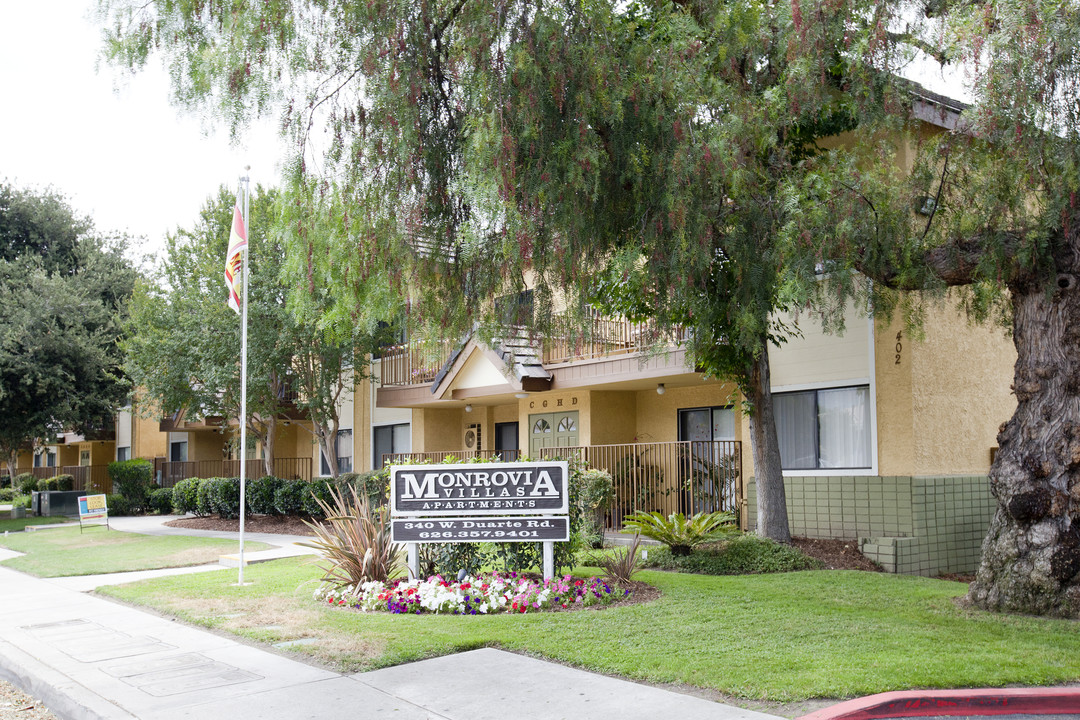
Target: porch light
<point>521,396</point>
<point>660,388</point>
<point>468,408</point>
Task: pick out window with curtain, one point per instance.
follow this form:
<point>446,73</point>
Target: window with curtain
<point>823,429</point>
<point>344,449</point>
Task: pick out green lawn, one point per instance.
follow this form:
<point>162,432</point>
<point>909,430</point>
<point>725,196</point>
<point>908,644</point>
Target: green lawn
<point>58,552</point>
<point>7,525</point>
<point>779,637</point>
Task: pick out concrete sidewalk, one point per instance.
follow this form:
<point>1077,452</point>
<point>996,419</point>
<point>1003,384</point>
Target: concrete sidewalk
<point>87,657</point>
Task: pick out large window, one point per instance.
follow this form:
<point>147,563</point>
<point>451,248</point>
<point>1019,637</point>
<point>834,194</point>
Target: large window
<point>123,453</point>
<point>822,429</point>
<point>391,439</point>
<point>344,453</point>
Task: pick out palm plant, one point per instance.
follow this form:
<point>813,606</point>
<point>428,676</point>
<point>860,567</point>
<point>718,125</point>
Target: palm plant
<point>354,540</point>
<point>680,533</point>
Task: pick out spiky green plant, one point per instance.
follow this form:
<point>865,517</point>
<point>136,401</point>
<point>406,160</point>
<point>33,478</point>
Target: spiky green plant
<point>680,533</point>
<point>620,566</point>
<point>354,541</point>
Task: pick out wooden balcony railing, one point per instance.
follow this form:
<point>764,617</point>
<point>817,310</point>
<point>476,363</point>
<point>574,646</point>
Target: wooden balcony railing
<point>603,336</point>
<point>687,477</point>
<point>173,472</point>
<point>411,365</point>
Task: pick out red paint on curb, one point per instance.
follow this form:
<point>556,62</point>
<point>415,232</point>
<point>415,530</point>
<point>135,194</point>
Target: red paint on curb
<point>924,703</point>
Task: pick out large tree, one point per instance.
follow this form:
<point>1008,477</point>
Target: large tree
<point>63,294</point>
<point>674,149</point>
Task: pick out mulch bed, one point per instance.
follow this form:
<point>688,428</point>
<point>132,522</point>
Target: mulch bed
<point>273,524</point>
<point>836,554</point>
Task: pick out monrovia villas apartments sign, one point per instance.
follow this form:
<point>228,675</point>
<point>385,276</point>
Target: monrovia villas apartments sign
<point>480,502</point>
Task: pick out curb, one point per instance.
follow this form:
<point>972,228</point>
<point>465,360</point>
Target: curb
<point>936,703</point>
<point>63,696</point>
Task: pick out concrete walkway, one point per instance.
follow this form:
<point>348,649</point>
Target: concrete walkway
<point>87,657</point>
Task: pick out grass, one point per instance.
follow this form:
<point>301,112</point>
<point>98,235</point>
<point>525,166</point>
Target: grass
<point>782,637</point>
<point>60,552</point>
<point>18,525</point>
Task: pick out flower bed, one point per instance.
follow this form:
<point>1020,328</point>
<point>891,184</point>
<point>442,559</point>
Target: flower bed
<point>483,595</point>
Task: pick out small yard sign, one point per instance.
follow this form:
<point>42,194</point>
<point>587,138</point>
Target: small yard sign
<point>93,510</point>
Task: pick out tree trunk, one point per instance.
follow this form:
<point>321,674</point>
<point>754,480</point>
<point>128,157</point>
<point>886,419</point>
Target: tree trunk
<point>327,436</point>
<point>268,446</point>
<point>11,460</point>
<point>772,517</point>
<point>1031,554</point>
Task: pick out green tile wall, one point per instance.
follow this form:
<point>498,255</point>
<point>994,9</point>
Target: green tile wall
<point>910,525</point>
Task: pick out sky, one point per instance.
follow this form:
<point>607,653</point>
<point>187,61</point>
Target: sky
<point>110,142</point>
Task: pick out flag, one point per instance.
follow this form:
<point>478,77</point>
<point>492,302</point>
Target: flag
<point>233,259</point>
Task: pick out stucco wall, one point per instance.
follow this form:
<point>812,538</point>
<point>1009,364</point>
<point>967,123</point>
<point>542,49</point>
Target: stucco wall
<point>614,415</point>
<point>961,378</point>
<point>434,429</point>
<point>895,419</point>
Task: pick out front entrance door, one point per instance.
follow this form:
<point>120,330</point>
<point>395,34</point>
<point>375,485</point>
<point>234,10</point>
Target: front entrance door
<point>552,430</point>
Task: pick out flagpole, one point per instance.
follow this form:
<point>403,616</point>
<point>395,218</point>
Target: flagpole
<point>246,180</point>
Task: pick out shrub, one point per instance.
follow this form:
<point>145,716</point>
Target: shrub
<point>680,533</point>
<point>354,541</point>
<point>224,497</point>
<point>373,483</point>
<point>161,501</point>
<point>118,505</point>
<point>46,484</point>
<point>133,479</point>
<point>261,494</point>
<point>6,494</point>
<point>26,483</point>
<point>289,498</point>
<point>186,496</point>
<point>204,505</point>
<point>65,483</point>
<point>745,555</point>
<point>22,501</point>
<point>318,497</point>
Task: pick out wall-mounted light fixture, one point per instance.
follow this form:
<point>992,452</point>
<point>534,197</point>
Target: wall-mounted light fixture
<point>468,407</point>
<point>660,388</point>
<point>521,396</point>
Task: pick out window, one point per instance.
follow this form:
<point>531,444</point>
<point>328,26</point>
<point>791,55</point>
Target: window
<point>709,423</point>
<point>824,428</point>
<point>389,440</point>
<point>344,449</point>
<point>84,458</point>
<point>123,453</point>
<point>178,451</point>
